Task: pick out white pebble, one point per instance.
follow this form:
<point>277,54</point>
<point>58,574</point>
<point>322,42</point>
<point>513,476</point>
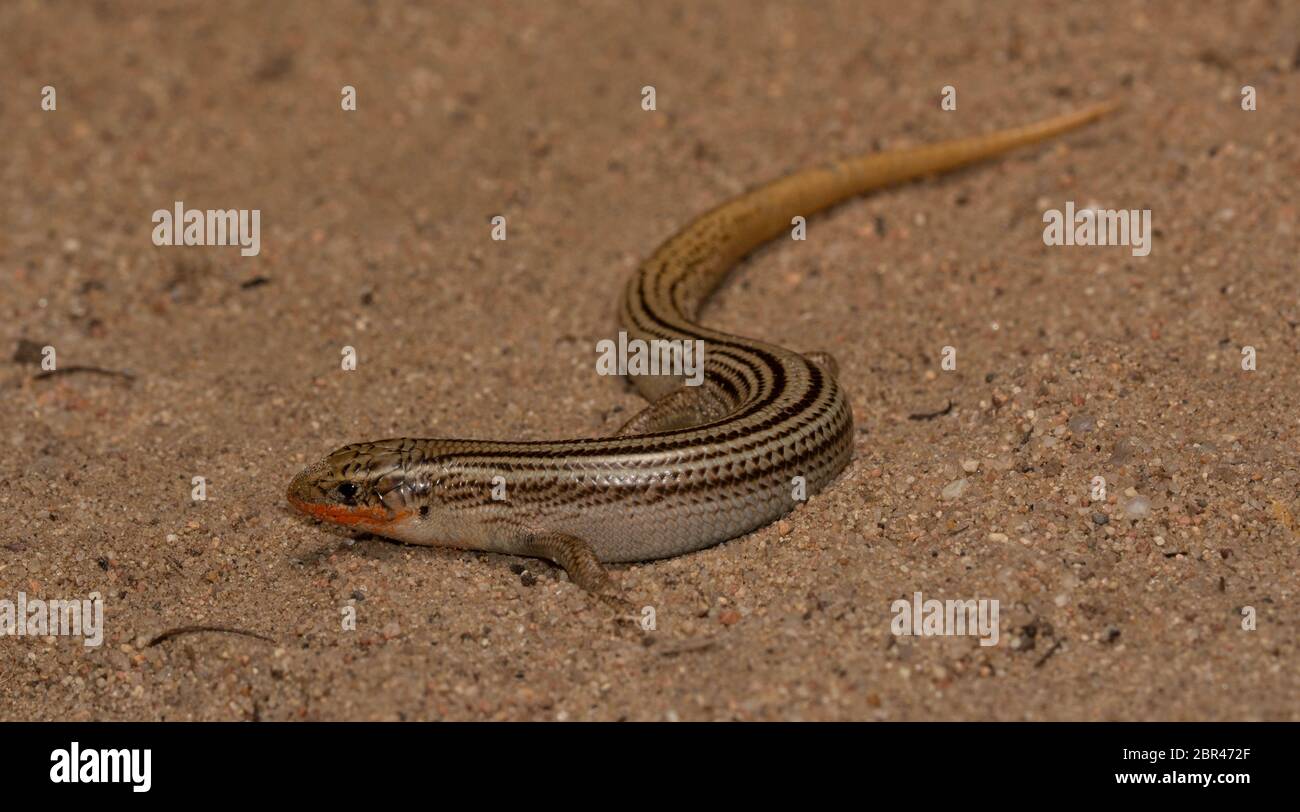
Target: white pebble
<point>954,489</point>
<point>1139,507</point>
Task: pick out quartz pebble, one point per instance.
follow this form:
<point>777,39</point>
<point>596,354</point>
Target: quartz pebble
<point>954,489</point>
<point>1139,507</point>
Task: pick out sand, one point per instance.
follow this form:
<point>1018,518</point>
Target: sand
<point>1072,362</point>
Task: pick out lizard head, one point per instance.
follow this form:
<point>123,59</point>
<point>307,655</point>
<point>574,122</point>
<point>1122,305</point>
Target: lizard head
<point>366,486</point>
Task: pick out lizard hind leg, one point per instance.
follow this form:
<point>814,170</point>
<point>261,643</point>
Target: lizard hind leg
<point>682,408</point>
<point>826,361</point>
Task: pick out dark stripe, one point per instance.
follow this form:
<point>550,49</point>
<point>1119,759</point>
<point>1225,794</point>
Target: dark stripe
<point>648,443</point>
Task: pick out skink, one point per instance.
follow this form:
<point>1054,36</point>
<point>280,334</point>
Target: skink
<point>701,464</point>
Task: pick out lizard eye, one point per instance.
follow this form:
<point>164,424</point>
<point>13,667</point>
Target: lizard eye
<point>348,492</point>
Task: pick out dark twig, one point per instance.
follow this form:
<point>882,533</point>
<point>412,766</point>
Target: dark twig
<point>112,373</point>
<point>180,630</point>
<point>688,647</point>
<point>1049,653</point>
<point>931,415</point>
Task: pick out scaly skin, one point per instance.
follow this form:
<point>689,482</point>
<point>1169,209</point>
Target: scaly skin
<point>701,464</point>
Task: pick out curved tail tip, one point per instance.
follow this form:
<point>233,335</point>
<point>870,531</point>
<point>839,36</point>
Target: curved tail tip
<point>1103,108</point>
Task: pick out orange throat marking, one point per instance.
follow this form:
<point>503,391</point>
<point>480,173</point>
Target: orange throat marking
<point>370,518</point>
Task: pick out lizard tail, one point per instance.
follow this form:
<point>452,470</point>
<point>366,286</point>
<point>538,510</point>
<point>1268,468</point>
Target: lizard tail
<point>728,232</point>
<point>869,172</point>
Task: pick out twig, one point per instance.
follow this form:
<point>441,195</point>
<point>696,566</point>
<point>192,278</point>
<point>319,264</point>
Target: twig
<point>1049,653</point>
<point>931,415</point>
<point>688,647</point>
<point>178,631</point>
<point>112,373</point>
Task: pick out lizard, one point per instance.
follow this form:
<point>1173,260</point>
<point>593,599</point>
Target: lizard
<point>700,464</point>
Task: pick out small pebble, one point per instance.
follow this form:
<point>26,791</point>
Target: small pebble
<point>1082,424</point>
<point>970,466</point>
<point>1139,507</point>
<point>954,489</point>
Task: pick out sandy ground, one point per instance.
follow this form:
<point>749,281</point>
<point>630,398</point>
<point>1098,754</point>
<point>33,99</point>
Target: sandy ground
<point>1072,362</point>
